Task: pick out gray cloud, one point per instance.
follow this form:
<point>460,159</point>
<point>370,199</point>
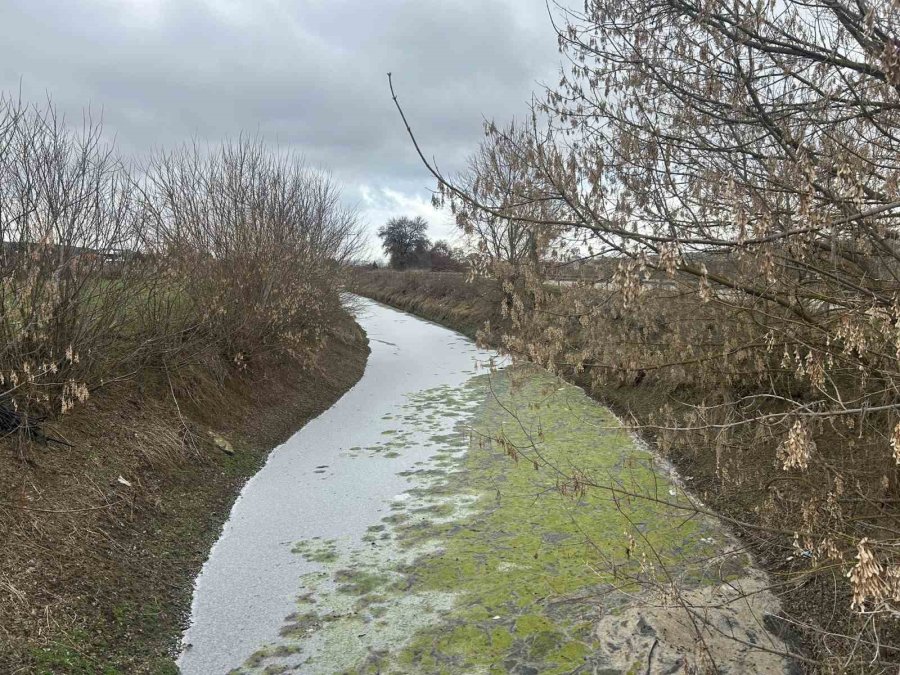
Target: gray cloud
<point>305,74</point>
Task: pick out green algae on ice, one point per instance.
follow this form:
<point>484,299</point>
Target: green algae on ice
<point>316,550</point>
<point>536,516</point>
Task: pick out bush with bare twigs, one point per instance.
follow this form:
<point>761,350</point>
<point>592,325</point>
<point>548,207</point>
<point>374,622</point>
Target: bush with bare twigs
<point>197,259</point>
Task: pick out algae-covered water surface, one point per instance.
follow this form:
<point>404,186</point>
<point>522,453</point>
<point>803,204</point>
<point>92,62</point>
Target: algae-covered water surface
<point>535,518</point>
<point>442,519</point>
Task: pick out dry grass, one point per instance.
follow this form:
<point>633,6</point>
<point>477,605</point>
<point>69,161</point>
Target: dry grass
<point>442,297</point>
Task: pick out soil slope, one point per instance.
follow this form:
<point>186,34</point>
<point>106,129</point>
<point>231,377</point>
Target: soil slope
<point>102,541</point>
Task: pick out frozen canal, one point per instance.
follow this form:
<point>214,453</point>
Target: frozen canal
<point>450,516</point>
<point>315,486</point>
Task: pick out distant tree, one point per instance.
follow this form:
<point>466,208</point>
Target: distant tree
<point>444,258</point>
<point>405,242</point>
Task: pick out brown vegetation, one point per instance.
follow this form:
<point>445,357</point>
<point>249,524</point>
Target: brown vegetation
<point>140,311</point>
<point>205,261</point>
<point>102,542</point>
<point>741,480</point>
<point>761,136</point>
<point>442,297</point>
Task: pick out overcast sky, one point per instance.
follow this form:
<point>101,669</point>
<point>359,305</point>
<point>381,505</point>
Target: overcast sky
<point>305,74</point>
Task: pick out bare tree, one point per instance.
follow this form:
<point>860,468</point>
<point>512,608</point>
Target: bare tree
<point>737,164</point>
<point>502,234</point>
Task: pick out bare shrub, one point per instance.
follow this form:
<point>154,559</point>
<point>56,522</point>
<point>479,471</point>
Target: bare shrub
<point>68,218</point>
<point>253,244</point>
<point>199,258</point>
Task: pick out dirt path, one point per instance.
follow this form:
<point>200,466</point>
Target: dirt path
<point>443,517</point>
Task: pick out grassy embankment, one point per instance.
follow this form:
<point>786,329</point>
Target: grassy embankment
<point>444,297</point>
<point>102,541</point>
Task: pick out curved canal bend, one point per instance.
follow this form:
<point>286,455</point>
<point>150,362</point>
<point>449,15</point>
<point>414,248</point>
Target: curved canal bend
<point>428,522</point>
